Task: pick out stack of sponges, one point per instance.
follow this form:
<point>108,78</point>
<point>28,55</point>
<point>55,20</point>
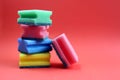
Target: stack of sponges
<point>34,45</point>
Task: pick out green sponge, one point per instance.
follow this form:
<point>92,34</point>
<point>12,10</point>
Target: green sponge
<point>34,17</point>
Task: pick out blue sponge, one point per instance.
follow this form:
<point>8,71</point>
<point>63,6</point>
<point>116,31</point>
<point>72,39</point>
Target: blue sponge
<point>34,46</point>
<point>33,49</point>
<point>45,41</point>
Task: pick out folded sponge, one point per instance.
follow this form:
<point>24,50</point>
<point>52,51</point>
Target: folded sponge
<point>35,17</point>
<point>45,41</point>
<point>34,46</point>
<point>34,49</point>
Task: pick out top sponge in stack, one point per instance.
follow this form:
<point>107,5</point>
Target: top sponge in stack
<point>35,17</point>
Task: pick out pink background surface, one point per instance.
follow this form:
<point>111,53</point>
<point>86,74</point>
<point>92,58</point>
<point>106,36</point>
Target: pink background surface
<point>92,26</point>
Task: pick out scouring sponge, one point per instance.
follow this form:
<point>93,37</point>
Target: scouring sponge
<point>35,17</point>
<point>35,57</point>
<point>34,46</point>
<point>34,60</point>
<point>34,32</point>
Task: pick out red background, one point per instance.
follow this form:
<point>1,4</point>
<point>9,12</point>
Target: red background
<point>92,26</point>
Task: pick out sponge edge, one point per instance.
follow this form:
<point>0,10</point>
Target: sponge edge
<point>32,22</point>
<point>65,50</point>
<point>34,64</point>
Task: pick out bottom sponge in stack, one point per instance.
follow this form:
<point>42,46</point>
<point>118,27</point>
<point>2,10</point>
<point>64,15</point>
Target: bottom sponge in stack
<point>34,60</point>
<point>31,64</point>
